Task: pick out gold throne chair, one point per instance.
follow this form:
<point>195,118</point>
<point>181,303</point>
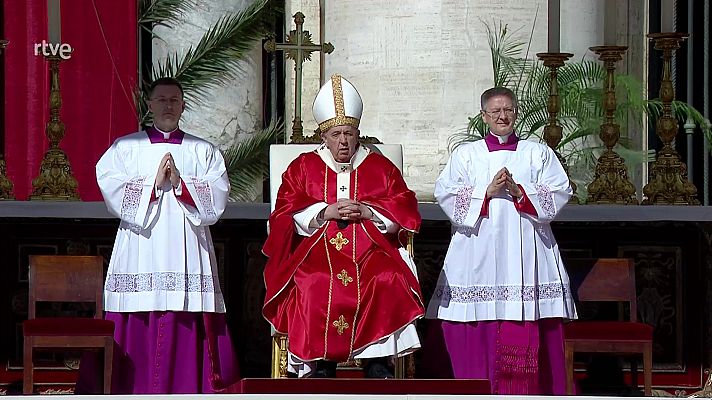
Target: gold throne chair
<point>280,156</point>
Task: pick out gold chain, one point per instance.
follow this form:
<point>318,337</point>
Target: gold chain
<point>328,306</point>
<point>358,274</point>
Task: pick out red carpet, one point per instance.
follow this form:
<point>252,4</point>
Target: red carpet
<point>361,386</point>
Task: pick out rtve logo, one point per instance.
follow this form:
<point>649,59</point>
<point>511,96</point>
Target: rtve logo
<point>63,50</point>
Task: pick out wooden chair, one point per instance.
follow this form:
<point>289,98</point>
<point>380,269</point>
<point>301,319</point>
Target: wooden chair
<point>66,279</point>
<point>607,279</point>
<point>280,156</point>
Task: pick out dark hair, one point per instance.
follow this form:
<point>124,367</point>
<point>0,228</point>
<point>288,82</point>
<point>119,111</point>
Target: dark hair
<point>497,91</point>
<point>165,82</point>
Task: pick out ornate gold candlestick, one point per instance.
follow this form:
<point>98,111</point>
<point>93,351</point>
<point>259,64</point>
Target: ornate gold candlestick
<point>55,181</point>
<point>552,130</point>
<point>610,183</point>
<point>668,176</point>
<point>5,182</point>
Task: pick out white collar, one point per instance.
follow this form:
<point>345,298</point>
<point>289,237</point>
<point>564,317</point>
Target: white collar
<point>166,135</point>
<point>502,139</point>
<point>338,167</point>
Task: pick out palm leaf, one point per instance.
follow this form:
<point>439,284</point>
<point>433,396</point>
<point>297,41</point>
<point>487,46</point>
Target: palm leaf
<point>216,59</point>
<point>153,13</point>
<point>246,162</point>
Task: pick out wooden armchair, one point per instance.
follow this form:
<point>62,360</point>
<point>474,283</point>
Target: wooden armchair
<point>66,279</point>
<point>607,279</point>
<point>279,158</point>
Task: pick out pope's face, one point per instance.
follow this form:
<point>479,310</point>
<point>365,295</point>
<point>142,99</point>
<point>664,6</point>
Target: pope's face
<point>167,105</point>
<point>499,114</point>
<point>342,141</point>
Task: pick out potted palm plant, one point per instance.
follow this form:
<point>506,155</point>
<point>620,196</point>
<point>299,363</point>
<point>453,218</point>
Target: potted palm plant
<point>581,91</point>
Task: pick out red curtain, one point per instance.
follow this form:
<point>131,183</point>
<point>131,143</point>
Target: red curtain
<point>96,86</point>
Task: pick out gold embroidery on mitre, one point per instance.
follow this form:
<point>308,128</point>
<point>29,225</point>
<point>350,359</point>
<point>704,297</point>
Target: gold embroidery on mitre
<point>339,241</point>
<point>344,277</point>
<point>340,118</point>
<point>341,325</point>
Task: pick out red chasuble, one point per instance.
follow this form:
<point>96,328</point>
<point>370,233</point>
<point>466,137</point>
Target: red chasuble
<point>343,288</point>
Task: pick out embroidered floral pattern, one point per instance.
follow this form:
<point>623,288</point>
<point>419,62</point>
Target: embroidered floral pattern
<point>462,204</point>
<point>132,199</point>
<point>166,281</point>
<point>202,188</point>
<point>478,294</point>
<point>546,200</point>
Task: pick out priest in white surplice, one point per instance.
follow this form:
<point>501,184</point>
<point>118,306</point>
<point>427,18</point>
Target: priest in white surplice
<point>503,293</point>
<point>162,288</point>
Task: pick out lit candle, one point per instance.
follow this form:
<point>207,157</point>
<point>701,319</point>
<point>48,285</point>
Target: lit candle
<point>54,21</point>
<point>667,8</point>
<point>609,23</point>
<point>554,17</point>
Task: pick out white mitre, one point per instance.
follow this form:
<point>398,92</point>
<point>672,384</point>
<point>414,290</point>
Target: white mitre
<point>337,103</point>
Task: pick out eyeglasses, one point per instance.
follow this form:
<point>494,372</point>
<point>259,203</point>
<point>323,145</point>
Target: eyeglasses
<point>494,114</point>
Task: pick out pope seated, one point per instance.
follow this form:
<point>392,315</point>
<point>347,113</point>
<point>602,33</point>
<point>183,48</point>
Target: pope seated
<point>339,283</point>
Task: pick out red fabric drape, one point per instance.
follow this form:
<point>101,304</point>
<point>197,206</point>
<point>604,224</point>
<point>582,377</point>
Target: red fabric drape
<point>96,86</point>
<point>26,88</point>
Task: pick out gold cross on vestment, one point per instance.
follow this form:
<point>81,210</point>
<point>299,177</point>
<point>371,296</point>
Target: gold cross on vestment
<point>341,325</point>
<point>344,277</point>
<point>298,47</point>
<point>339,241</point>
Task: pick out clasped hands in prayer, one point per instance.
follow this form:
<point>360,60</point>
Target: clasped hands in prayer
<point>167,170</point>
<point>347,209</point>
<point>503,181</point>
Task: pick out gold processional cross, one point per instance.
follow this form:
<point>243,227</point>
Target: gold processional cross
<point>298,47</point>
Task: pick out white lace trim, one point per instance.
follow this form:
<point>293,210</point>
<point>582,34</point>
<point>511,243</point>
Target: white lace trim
<point>479,294</point>
<point>132,198</point>
<point>202,189</point>
<point>546,200</point>
<point>161,281</point>
<point>462,203</point>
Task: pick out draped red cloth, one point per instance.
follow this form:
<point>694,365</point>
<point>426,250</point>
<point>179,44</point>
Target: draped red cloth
<point>96,86</point>
<point>359,291</point>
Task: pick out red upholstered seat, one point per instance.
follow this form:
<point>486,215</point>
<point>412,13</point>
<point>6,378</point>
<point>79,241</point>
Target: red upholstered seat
<point>67,327</point>
<point>608,330</point>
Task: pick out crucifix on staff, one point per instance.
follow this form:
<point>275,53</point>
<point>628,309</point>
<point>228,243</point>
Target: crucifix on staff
<point>298,47</point>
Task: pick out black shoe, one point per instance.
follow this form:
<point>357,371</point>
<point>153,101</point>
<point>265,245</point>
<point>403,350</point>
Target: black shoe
<point>378,368</point>
<point>325,369</point>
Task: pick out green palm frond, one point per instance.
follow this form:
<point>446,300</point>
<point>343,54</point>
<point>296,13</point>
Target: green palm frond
<point>216,59</point>
<point>246,162</point>
<point>162,12</point>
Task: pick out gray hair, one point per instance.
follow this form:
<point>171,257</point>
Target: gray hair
<point>497,91</point>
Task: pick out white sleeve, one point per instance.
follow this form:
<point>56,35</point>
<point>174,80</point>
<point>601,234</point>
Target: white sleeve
<point>127,197</point>
<point>458,191</point>
<point>209,190</point>
<point>305,221</point>
<point>552,189</point>
<point>383,224</point>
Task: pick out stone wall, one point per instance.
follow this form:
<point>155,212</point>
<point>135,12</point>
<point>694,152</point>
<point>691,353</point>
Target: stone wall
<point>235,110</point>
